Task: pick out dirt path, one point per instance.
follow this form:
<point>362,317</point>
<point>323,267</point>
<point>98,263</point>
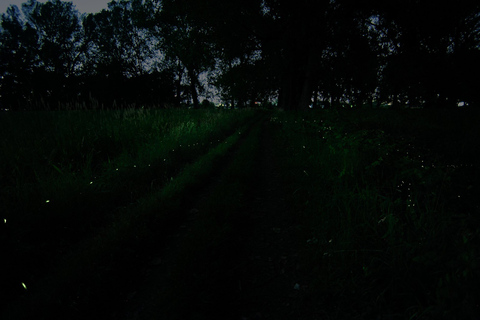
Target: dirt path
<point>246,268</point>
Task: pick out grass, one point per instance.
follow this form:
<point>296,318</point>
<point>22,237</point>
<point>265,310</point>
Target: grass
<point>55,212</point>
<point>204,259</point>
<point>89,271</point>
<point>384,201</point>
<point>391,230</point>
<point>81,145</point>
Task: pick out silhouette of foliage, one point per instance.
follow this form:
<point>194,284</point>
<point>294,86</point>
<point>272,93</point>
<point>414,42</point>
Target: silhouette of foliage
<point>305,53</point>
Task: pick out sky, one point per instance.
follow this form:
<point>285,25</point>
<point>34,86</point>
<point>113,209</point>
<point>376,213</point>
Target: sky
<point>83,6</point>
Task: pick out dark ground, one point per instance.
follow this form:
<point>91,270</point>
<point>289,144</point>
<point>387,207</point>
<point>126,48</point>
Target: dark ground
<point>251,272</point>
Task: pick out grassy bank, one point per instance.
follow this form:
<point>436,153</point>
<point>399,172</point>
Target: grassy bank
<point>392,228</point>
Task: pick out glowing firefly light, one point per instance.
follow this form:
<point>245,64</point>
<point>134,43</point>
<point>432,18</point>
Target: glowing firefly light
<point>48,201</point>
<point>24,286</point>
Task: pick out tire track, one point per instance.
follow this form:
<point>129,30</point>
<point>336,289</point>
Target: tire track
<point>237,256</point>
<point>153,296</point>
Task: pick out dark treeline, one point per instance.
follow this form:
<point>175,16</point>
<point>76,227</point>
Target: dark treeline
<point>164,53</point>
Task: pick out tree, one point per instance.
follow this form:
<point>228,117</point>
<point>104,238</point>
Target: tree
<point>420,52</point>
<point>121,52</point>
<point>40,52</point>
<point>428,37</point>
<point>186,43</point>
<point>319,43</point>
<point>59,32</point>
<point>18,58</point>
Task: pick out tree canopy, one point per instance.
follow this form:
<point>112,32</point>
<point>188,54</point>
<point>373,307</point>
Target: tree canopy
<point>302,53</point>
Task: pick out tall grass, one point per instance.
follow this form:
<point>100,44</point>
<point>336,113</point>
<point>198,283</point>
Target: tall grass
<point>390,234</point>
<point>45,153</point>
<point>68,174</point>
<point>98,271</point>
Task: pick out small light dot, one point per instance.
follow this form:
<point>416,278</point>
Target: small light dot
<point>48,201</point>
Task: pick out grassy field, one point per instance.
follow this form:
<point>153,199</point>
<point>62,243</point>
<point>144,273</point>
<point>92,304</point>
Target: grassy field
<point>389,202</point>
<point>72,180</point>
<point>240,214</point>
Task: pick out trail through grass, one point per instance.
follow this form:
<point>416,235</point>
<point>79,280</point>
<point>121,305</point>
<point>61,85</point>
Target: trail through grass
<point>46,219</point>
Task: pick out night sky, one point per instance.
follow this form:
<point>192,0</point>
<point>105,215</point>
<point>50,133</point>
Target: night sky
<point>87,6</point>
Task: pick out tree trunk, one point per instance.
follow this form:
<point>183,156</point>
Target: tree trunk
<point>315,98</point>
<point>297,85</point>
<point>193,87</point>
<point>289,92</point>
<point>178,85</point>
<point>306,96</point>
<point>307,72</point>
